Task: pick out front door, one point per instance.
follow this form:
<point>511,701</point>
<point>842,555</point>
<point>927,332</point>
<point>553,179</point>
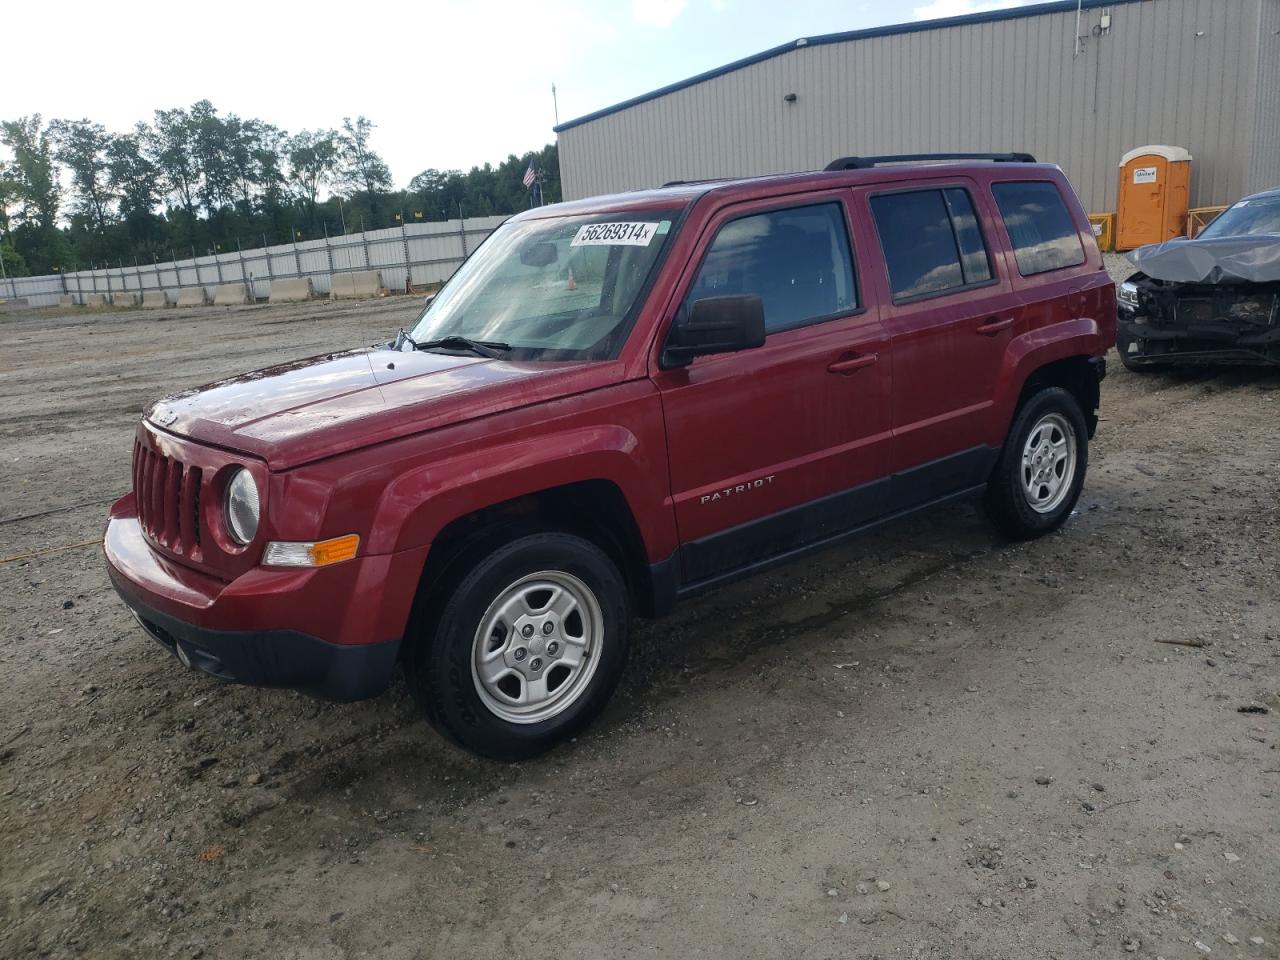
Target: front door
<point>779,446</point>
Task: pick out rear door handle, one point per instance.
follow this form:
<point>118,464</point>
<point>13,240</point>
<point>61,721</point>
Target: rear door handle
<point>850,364</point>
<point>994,325</point>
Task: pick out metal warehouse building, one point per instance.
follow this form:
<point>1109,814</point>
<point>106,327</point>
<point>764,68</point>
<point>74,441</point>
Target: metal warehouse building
<point>1199,74</point>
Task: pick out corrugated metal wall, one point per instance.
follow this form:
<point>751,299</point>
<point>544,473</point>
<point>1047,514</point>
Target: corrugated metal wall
<point>1264,170</point>
<point>1169,71</point>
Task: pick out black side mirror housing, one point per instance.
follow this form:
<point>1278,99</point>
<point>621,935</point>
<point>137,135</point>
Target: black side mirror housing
<point>715,325</point>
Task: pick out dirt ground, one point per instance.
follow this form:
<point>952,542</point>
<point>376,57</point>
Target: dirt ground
<point>929,743</point>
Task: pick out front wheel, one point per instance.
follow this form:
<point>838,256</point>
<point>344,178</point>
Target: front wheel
<point>1041,469</point>
<point>526,648</point>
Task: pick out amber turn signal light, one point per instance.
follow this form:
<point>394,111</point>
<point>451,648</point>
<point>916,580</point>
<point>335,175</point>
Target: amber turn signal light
<point>319,554</point>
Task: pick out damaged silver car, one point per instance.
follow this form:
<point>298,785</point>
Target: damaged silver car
<point>1214,299</point>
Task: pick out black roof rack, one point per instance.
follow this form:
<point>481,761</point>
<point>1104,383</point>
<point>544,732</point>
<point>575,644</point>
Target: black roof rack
<point>865,163</point>
<point>691,183</point>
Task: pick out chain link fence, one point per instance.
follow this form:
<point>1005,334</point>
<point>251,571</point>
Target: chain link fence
<point>418,253</point>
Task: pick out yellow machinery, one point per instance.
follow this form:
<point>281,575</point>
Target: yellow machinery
<point>1200,217</point>
<point>1104,230</point>
<point>1155,183</point>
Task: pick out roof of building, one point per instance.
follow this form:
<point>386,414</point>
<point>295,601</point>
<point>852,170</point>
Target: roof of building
<point>1013,13</point>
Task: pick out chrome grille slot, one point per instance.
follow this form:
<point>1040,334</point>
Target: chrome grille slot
<point>190,511</point>
<point>167,493</point>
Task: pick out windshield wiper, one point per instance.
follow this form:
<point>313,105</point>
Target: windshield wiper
<point>493,349</point>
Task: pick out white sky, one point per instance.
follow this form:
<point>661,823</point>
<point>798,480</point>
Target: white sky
<point>449,83</point>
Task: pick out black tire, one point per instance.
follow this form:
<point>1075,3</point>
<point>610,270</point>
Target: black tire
<point>1007,499</point>
<point>439,663</point>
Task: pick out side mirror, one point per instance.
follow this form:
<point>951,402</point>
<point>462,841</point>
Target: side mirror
<point>540,254</point>
<point>715,325</point>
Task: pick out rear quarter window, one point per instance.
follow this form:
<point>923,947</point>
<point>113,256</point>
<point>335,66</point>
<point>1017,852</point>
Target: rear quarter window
<point>1040,227</point>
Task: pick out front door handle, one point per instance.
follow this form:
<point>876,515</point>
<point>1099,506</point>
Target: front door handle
<point>994,325</point>
<point>856,362</point>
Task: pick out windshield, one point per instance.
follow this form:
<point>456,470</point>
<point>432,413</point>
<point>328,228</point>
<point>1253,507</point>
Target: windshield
<point>564,288</point>
<point>1249,217</point>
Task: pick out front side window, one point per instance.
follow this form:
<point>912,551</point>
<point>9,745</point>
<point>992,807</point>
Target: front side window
<point>560,288</point>
<point>798,261</point>
<point>931,241</point>
<point>1043,235</point>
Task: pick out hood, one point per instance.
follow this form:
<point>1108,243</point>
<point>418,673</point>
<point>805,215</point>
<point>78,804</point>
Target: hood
<point>308,409</point>
<point>1253,259</point>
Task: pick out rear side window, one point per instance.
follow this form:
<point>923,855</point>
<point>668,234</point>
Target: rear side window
<point>973,251</point>
<point>1041,230</point>
<point>931,240</point>
<point>797,260</point>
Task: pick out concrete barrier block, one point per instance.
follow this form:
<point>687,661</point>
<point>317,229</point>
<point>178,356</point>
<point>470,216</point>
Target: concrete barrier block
<point>291,290</point>
<point>155,299</point>
<point>95,299</point>
<point>358,284</point>
<point>67,300</point>
<point>192,297</point>
<point>14,303</point>
<point>124,299</point>
<point>230,295</point>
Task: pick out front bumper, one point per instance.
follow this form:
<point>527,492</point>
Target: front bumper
<point>273,658</point>
<point>333,632</point>
<point>1146,343</point>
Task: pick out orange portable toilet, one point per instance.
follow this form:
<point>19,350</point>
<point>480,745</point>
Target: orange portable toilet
<point>1155,184</point>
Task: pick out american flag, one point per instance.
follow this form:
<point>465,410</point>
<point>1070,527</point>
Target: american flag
<point>530,176</point>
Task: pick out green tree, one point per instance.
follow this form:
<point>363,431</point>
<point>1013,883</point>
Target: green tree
<point>170,146</point>
<point>33,179</point>
<point>361,170</point>
<point>197,178</point>
<point>215,143</point>
<point>134,177</point>
<point>267,153</point>
<point>438,192</point>
<point>33,170</point>
<point>313,158</point>
<point>10,197</point>
<point>135,181</point>
<point>82,146</point>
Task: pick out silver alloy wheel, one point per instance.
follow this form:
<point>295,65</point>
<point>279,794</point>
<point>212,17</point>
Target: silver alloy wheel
<point>537,647</point>
<point>1049,462</point>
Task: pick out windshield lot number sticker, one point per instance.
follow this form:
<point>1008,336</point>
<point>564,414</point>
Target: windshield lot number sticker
<point>614,234</point>
<point>1144,175</point>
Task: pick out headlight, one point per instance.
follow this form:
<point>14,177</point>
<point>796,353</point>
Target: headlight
<point>1128,294</point>
<point>242,507</point>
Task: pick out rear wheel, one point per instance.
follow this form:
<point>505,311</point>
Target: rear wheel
<point>1041,470</point>
<point>526,647</point>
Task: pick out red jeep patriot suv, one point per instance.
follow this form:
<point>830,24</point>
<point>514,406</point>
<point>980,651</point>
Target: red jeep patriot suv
<point>614,404</point>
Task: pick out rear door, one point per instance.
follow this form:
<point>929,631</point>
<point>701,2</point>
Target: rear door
<point>782,445</point>
<point>949,313</point>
